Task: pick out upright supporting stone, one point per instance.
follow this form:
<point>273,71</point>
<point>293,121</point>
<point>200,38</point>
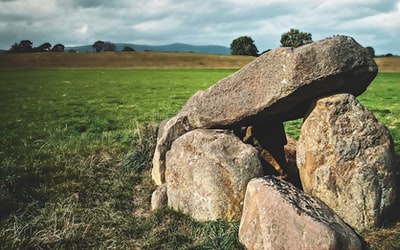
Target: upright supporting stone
<point>168,131</point>
<point>207,172</point>
<point>346,159</point>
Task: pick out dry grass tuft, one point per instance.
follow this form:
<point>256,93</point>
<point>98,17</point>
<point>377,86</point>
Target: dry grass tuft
<point>385,238</point>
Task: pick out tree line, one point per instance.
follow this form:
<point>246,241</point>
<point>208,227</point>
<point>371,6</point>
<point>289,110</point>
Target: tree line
<point>26,46</point>
<point>243,45</point>
<point>101,46</point>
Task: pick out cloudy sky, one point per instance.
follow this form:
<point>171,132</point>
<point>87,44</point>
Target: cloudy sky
<point>373,23</point>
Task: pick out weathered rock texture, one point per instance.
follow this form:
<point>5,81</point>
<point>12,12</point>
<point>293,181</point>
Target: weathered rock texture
<point>277,86</point>
<point>168,131</point>
<point>207,172</point>
<point>346,159</point>
<point>291,165</point>
<point>280,84</point>
<point>277,215</point>
<point>159,198</point>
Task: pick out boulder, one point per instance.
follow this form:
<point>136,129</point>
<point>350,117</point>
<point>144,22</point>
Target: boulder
<point>168,131</point>
<point>280,84</point>
<point>159,198</point>
<point>275,87</point>
<point>207,172</point>
<point>277,215</point>
<point>346,159</point>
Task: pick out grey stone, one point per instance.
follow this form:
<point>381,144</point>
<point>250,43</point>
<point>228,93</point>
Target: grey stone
<point>207,172</point>
<point>168,131</point>
<point>280,84</point>
<point>159,198</point>
<point>346,159</point>
<point>277,215</point>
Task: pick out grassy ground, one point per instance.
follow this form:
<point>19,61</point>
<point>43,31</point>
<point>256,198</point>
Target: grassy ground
<point>75,156</point>
<point>75,159</point>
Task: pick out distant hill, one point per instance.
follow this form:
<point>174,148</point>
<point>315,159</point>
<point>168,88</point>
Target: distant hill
<point>175,47</point>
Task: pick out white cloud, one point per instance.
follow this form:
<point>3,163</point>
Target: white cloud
<point>161,25</point>
<point>388,21</point>
<point>83,29</point>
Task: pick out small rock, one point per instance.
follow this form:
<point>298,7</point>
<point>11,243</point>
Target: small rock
<point>159,198</point>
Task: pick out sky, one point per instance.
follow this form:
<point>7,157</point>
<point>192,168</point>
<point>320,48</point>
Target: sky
<point>374,23</point>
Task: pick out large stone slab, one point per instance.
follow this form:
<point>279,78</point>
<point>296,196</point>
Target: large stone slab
<point>346,159</point>
<point>277,86</point>
<point>280,84</point>
<point>207,172</point>
<point>277,215</point>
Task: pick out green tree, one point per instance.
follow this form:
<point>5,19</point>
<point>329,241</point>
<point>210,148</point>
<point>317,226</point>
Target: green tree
<point>45,47</point>
<point>98,46</point>
<point>22,47</point>
<point>109,46</point>
<point>14,48</point>
<point>371,50</point>
<point>58,48</point>
<point>245,46</point>
<point>127,48</point>
<point>295,38</point>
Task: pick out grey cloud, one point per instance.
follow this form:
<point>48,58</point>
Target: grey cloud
<point>89,3</point>
<point>78,22</point>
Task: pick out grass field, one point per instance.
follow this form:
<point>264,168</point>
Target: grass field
<point>75,154</point>
<point>75,158</point>
<point>143,60</point>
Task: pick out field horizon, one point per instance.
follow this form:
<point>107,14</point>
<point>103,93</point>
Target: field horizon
<point>140,59</point>
<point>148,59</point>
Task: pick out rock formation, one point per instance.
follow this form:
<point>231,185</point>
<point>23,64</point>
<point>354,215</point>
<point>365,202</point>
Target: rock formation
<point>232,132</point>
<point>346,159</point>
<point>276,215</point>
<point>275,87</point>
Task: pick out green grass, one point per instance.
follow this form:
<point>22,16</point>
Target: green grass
<point>383,99</point>
<point>75,158</point>
<point>75,151</point>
